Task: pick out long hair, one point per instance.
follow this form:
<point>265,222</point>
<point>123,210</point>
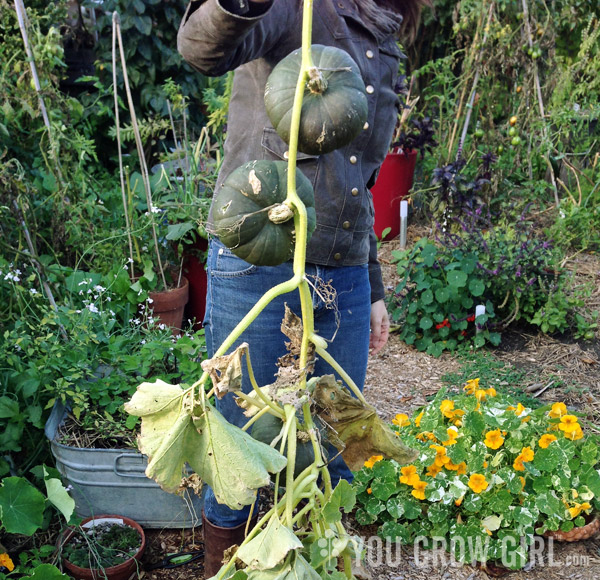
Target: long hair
<point>411,12</point>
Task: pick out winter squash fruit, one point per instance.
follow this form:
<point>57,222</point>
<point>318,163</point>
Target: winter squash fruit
<point>249,217</point>
<point>267,428</point>
<point>334,106</point>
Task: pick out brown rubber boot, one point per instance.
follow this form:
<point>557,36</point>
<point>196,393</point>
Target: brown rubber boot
<point>217,540</point>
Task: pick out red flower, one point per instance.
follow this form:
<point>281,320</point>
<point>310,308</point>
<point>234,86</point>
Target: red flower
<point>445,323</point>
<point>471,318</point>
<point>464,333</point>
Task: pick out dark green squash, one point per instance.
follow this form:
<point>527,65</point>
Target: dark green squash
<point>334,107</point>
<point>267,428</point>
<point>247,203</point>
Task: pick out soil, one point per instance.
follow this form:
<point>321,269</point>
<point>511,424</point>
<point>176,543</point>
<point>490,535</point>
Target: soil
<point>400,379</point>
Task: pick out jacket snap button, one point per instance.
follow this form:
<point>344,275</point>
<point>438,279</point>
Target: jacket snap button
<point>337,256</point>
<point>286,154</point>
<point>354,191</point>
<point>346,225</point>
<point>370,89</point>
<point>353,159</point>
<point>366,126</point>
<point>369,54</point>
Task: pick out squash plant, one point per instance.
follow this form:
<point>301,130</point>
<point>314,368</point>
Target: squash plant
<point>179,425</point>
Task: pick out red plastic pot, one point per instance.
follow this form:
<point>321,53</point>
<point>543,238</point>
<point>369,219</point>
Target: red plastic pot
<point>194,268</point>
<point>121,572</point>
<point>393,183</point>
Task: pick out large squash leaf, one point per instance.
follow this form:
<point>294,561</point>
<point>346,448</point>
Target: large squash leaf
<point>177,430</point>
<point>295,567</point>
<point>269,547</point>
<point>354,427</point>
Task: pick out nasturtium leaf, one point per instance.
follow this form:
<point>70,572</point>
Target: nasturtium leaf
<point>270,547</point>
<point>374,506</point>
<point>589,452</point>
<point>364,518</point>
<point>412,509</point>
<point>438,513</point>
<point>540,484</point>
<point>427,297</point>
<point>426,323</point>
<point>472,503</point>
<point>524,516</point>
<point>500,501</point>
<point>473,422</point>
<point>547,459</point>
<point>395,507</point>
<point>21,506</point>
<point>549,504</point>
<point>492,523</point>
<point>476,287</point>
<point>175,430</point>
<point>354,427</point>
<point>46,572</point>
<point>593,482</point>
<point>394,531</point>
<point>457,278</point>
<point>343,498</point>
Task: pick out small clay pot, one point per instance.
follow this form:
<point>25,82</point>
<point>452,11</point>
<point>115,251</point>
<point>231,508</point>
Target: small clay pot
<point>121,571</point>
<point>167,306</point>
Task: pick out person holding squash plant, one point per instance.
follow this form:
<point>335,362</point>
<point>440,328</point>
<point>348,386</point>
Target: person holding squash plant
<point>251,37</point>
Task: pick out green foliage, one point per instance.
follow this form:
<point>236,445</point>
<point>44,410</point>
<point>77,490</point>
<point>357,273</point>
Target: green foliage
<point>489,467</point>
<point>436,299</point>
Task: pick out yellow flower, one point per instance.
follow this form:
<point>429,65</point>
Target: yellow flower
<point>491,392</point>
<point>545,440</point>
<point>471,386</point>
<point>519,410</point>
<point>558,410</point>
<point>409,475</point>
<point>6,562</point>
<point>574,435</point>
<point>518,464</point>
<point>452,435</point>
<point>527,453</point>
<point>458,501</point>
<point>369,490</point>
<point>569,423</point>
<point>433,470</point>
<point>462,468</point>
<point>425,435</point>
<point>441,458</point>
<point>418,419</point>
<point>487,531</point>
<point>419,490</point>
<point>401,420</point>
<point>480,395</point>
<point>494,439</point>
<point>447,408</point>
<point>522,482</point>
<point>451,466</point>
<point>373,460</point>
<point>578,508</point>
<point>478,482</point>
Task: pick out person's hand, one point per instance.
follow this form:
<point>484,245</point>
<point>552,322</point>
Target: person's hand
<point>380,327</point>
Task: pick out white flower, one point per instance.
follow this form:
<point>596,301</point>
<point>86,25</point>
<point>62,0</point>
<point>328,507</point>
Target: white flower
<point>150,300</point>
<point>33,291</point>
<point>130,260</point>
<point>99,288</point>
<point>92,308</point>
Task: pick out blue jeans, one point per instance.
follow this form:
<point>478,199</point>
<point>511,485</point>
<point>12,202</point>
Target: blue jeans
<point>234,286</point>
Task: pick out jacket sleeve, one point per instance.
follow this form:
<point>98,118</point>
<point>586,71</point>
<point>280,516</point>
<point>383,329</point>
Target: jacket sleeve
<point>217,36</point>
<point>375,278</point>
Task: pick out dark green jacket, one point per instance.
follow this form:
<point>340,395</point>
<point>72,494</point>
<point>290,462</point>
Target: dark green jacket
<point>214,38</point>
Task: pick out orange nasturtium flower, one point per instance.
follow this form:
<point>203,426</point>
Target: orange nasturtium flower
<point>471,386</point>
<point>447,408</point>
<point>545,440</point>
<point>6,562</point>
<point>369,490</point>
<point>373,460</point>
<point>494,439</point>
<point>569,423</point>
<point>452,435</point>
<point>478,482</point>
<point>401,420</point>
<point>574,435</point>
<point>523,457</point>
<point>418,419</point>
<point>522,482</point>
<point>433,470</point>
<point>491,392</point>
<point>441,458</point>
<point>409,475</point>
<point>480,395</point>
<point>419,490</point>
<point>558,410</point>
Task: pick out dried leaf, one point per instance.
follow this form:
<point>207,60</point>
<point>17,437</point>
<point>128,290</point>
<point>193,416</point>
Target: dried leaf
<point>357,426</point>
<point>226,371</point>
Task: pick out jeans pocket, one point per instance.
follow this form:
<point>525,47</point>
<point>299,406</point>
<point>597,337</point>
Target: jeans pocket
<point>225,264</point>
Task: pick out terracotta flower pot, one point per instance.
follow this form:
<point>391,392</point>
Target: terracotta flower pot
<point>121,571</point>
<point>576,534</point>
<point>393,183</point>
<point>168,305</point>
